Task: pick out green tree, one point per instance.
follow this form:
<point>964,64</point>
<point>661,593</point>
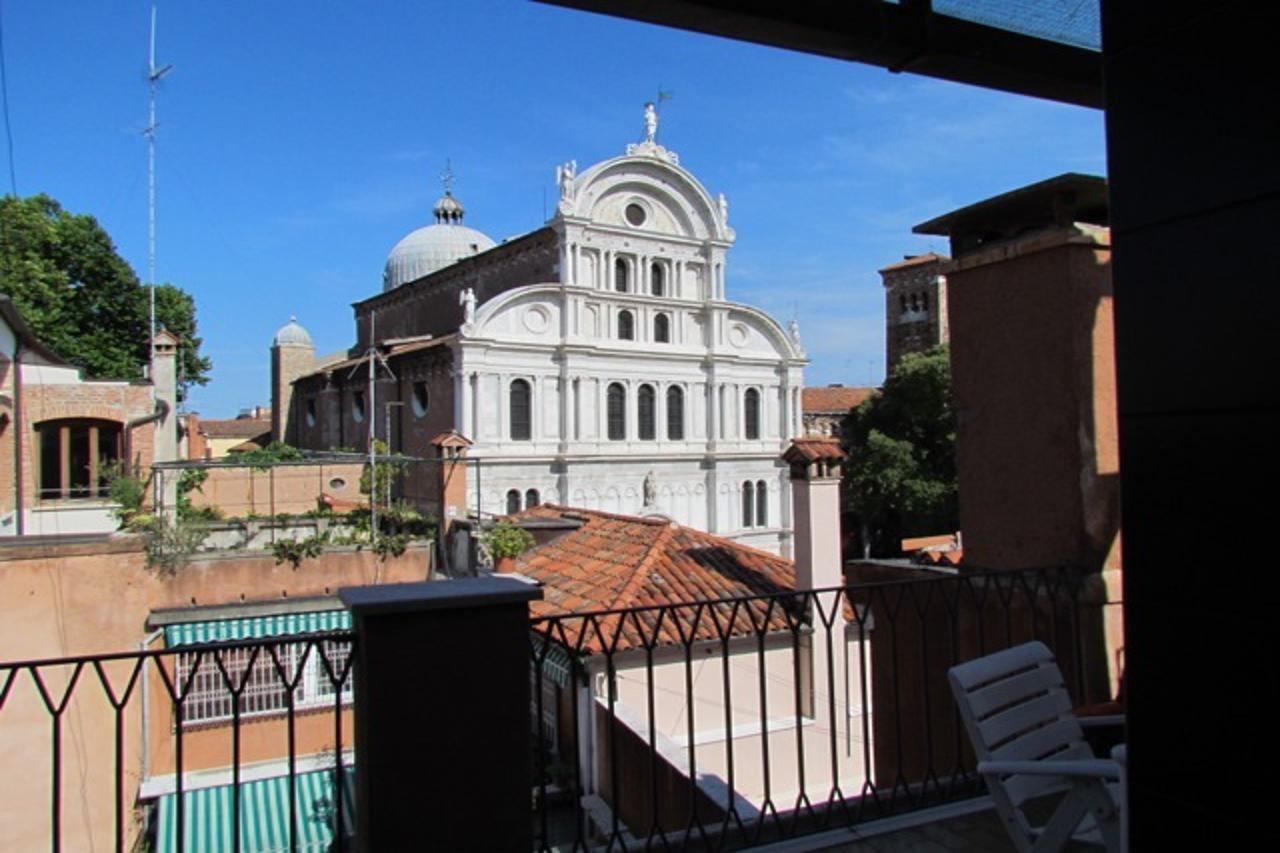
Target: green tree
<point>82,299</point>
<point>901,475</point>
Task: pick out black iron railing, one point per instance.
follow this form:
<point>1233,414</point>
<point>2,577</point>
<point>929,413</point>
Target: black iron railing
<point>222,715</point>
<point>723,724</point>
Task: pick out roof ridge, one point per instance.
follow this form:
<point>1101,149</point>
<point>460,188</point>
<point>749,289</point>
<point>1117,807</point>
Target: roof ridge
<point>637,577</point>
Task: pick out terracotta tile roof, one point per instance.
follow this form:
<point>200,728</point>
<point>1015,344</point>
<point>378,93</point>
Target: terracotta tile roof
<point>619,561</point>
<point>915,261</point>
<point>829,400</point>
<point>236,428</point>
<point>813,449</point>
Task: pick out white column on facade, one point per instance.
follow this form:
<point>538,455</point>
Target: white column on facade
<point>461,402</point>
<point>606,274</point>
<point>504,406</point>
<point>474,381</point>
<point>677,279</point>
<point>536,406</point>
<point>602,412</point>
<point>577,411</point>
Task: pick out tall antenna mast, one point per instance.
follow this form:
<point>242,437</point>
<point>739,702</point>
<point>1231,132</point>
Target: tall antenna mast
<point>153,77</point>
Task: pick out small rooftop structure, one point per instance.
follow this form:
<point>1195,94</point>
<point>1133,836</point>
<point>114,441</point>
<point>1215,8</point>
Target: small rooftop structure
<point>1062,200</point>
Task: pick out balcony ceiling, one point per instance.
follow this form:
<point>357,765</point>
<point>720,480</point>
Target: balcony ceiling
<point>1044,49</point>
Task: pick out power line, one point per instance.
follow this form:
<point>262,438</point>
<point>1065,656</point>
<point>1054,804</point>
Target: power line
<point>4,96</point>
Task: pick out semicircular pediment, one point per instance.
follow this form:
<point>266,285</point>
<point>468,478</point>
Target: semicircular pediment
<point>648,195</point>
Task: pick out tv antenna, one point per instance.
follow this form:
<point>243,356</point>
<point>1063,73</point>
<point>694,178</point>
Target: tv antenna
<point>372,357</point>
<point>154,74</point>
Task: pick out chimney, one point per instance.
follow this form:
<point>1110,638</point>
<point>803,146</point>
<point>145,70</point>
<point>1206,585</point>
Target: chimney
<point>815,499</point>
<point>451,476</point>
<point>164,385</point>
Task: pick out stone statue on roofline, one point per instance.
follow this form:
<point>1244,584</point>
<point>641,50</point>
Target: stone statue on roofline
<point>565,175</point>
<point>467,299</point>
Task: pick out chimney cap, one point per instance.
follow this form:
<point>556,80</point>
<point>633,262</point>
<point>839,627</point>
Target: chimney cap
<point>804,451</point>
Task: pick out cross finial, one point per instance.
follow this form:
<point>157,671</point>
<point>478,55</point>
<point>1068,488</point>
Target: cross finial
<point>447,176</point>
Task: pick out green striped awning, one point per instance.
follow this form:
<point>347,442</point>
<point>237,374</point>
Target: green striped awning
<point>264,815</point>
<point>223,630</point>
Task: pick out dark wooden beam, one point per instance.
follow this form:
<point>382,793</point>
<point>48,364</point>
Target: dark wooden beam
<point>905,36</point>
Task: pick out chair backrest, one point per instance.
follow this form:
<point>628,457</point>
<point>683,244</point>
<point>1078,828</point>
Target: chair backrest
<point>1015,707</point>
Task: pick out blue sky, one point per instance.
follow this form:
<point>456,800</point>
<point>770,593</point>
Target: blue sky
<point>299,141</point>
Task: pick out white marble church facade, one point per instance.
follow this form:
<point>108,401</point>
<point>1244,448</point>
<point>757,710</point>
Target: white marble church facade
<point>617,375</point>
<point>705,392</point>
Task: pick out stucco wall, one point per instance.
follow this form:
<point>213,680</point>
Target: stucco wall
<point>95,597</point>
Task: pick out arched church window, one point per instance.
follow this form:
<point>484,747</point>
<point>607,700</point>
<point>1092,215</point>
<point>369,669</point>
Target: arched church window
<point>675,413</point>
<point>616,405</point>
<point>656,283</point>
<point>748,513</point>
<point>762,504</point>
<point>513,501</point>
<point>620,275</point>
<point>357,406</point>
<point>903,299</point>
<point>76,455</point>
<point>521,410</point>
<point>532,499</point>
<point>751,413</point>
<point>626,326</point>
<point>645,407</point>
<point>924,302</point>
<point>915,302</point>
<point>311,411</point>
<point>662,329</point>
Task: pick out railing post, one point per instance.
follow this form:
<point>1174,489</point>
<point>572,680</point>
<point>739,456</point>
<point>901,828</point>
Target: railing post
<point>442,752</point>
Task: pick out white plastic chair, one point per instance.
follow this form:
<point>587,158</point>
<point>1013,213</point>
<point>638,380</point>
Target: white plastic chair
<point>1029,744</point>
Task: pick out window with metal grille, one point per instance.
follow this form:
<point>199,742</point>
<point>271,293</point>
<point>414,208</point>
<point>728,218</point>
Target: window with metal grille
<point>748,513</point>
<point>645,408</point>
<point>532,499</point>
<point>675,414</point>
<point>762,504</point>
<point>521,411</point>
<point>261,680</point>
<point>662,329</point>
<point>76,456</point>
<point>617,410</point>
<point>626,326</point>
<point>513,501</point>
<point>751,413</point>
<point>656,283</point>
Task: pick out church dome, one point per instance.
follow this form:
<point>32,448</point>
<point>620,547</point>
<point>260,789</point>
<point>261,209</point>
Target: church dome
<point>292,334</point>
<point>434,247</point>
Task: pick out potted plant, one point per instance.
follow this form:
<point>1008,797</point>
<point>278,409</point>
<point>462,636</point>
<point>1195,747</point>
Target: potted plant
<point>504,542</point>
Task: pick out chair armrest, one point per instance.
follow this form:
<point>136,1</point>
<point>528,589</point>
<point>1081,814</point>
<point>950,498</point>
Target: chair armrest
<point>1101,768</point>
<point>1100,720</point>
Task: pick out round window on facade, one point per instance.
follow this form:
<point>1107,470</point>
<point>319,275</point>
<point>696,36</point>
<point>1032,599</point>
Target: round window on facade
<point>337,483</point>
<point>421,399</point>
<point>636,214</point>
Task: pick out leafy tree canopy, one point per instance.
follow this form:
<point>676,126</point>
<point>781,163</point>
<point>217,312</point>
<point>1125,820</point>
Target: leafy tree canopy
<point>82,299</point>
<point>901,475</point>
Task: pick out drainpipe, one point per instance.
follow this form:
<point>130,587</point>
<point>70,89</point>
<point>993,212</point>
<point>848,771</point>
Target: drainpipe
<point>18,427</point>
<point>162,410</point>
